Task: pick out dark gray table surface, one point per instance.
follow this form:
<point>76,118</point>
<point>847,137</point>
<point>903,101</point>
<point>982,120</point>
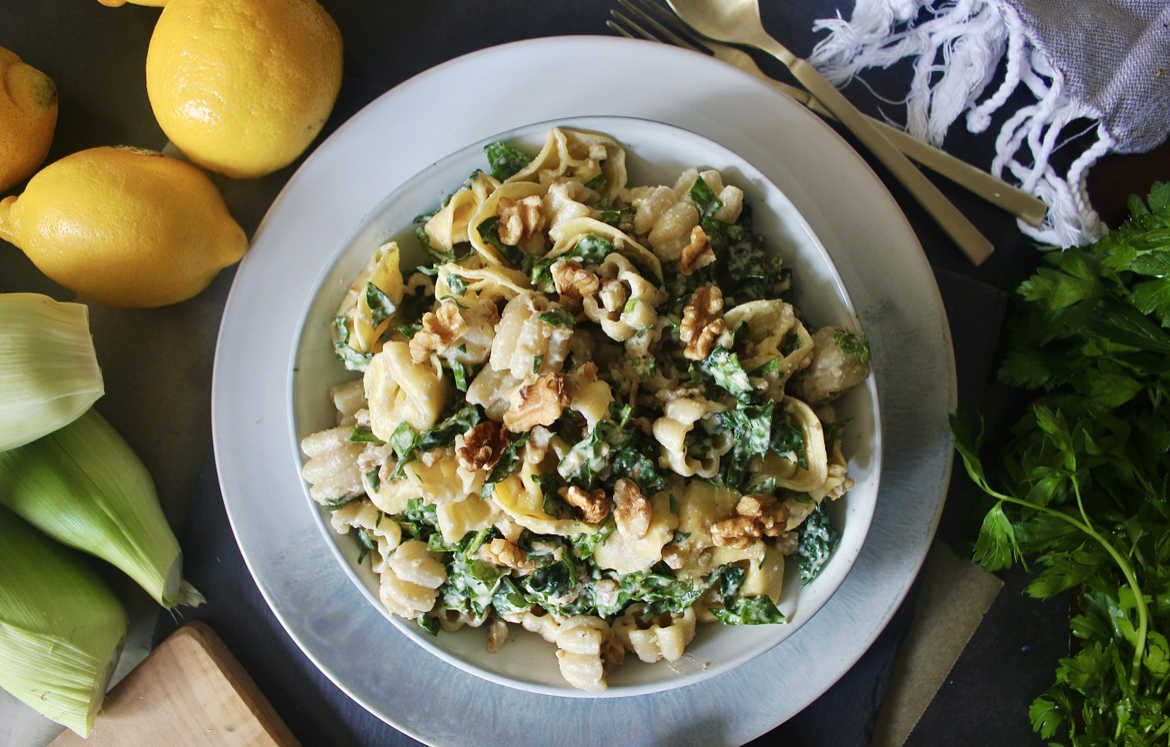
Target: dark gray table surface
<point>96,56</point>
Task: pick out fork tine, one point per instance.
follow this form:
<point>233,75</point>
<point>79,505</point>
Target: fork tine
<point>688,41</point>
<point>633,25</point>
<point>666,15</point>
<point>618,29</point>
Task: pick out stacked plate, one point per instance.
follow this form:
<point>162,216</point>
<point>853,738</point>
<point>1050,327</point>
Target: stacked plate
<point>836,226</point>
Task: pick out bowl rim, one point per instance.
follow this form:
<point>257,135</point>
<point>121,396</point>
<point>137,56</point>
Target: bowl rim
<point>823,591</point>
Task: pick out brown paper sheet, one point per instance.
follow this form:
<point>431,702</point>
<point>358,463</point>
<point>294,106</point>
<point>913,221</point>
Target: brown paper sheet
<point>955,595</point>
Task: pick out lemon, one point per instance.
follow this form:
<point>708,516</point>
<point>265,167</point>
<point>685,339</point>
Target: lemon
<point>28,116</point>
<point>242,87</point>
<point>123,226</point>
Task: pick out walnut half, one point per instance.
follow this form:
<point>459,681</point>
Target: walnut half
<point>631,510</point>
<point>702,322</point>
<point>501,552</point>
<point>519,219</point>
<point>756,516</point>
<point>440,329</point>
<point>771,516</point>
<point>538,403</point>
<point>738,532</point>
<point>697,254</point>
<point>573,282</point>
<point>591,507</point>
<point>482,446</point>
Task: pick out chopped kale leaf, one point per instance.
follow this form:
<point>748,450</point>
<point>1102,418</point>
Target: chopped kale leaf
<point>818,539</point>
<point>853,344</point>
<point>381,307</point>
<point>558,316</point>
<point>788,438</point>
<point>352,359</point>
<point>704,198</point>
<point>504,160</point>
<point>749,610</point>
<point>723,366</point>
<point>363,434</point>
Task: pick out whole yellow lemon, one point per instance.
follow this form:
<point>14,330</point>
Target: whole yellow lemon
<point>124,226</point>
<point>242,87</point>
<point>28,117</point>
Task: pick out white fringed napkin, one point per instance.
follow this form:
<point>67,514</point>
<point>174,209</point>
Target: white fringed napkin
<point>1107,61</point>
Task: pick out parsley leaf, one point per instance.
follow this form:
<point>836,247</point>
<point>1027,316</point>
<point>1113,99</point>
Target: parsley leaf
<point>1085,493</point>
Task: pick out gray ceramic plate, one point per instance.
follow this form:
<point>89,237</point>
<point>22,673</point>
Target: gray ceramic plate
<point>440,112</point>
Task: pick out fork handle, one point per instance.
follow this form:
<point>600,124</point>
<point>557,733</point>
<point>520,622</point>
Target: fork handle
<point>977,181</point>
<point>964,233</point>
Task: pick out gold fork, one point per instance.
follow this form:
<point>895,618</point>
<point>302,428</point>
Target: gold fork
<point>996,191</point>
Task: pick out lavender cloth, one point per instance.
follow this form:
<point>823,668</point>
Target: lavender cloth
<point>1115,56</point>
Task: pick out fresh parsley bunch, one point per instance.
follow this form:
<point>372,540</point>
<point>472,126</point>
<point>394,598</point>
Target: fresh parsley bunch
<point>1087,470</point>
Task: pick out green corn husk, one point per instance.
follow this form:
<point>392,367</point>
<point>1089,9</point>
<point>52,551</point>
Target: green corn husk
<point>61,628</point>
<point>49,373</point>
<point>83,486</point>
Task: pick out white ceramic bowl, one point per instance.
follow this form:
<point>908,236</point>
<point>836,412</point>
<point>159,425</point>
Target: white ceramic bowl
<point>656,153</point>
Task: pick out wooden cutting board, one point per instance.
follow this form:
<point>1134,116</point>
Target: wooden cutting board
<point>189,691</point>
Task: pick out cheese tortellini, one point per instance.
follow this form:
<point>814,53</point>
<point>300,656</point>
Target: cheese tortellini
<point>588,416</point>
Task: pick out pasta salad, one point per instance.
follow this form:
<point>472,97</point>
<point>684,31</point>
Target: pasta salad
<point>595,414</point>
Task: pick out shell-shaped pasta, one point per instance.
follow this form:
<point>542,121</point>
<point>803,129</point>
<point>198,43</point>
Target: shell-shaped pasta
<point>830,369</point>
<point>492,390</point>
<point>579,156</point>
<point>769,323</point>
<point>649,205</point>
<point>332,468</point>
<point>581,642</point>
<point>521,498</point>
<point>566,235</point>
<point>565,201</point>
<point>799,509</point>
<point>837,482</point>
<point>583,634</point>
<point>625,304</point>
<point>436,477</point>
<point>411,562</point>
<point>363,514</point>
<point>476,343</point>
<point>766,576</point>
<point>625,554</point>
<point>679,417</point>
<point>383,272</point>
<point>730,196</point>
<point>392,496</point>
<point>672,231</point>
<point>398,389</point>
<point>547,625</point>
<point>591,396</point>
<point>348,398</point>
<point>404,598</point>
<point>666,636</point>
<point>471,514</point>
<point>449,226</point>
<point>526,346</point>
<point>701,504</point>
<point>790,475</point>
<point>493,283</point>
<point>487,209</point>
<point>686,180</point>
